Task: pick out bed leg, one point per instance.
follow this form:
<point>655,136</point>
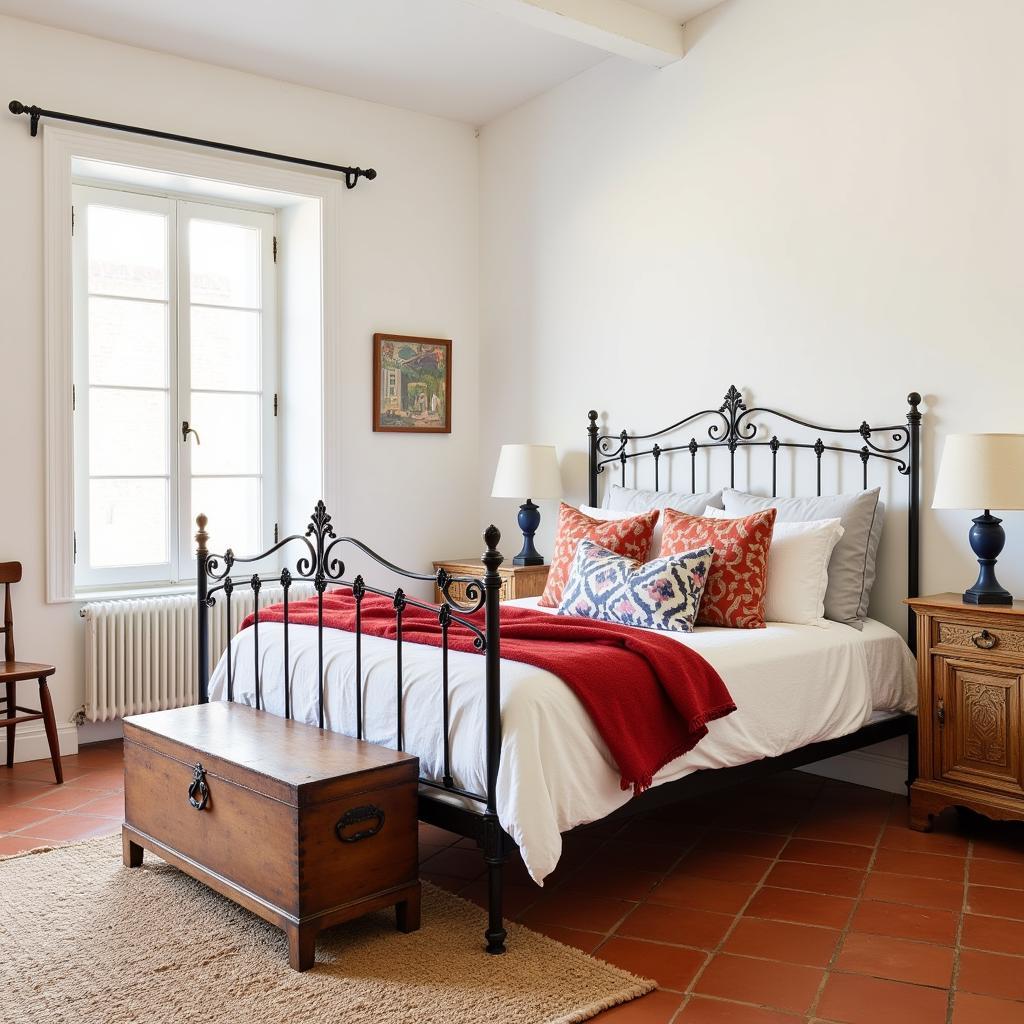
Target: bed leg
<point>495,934</point>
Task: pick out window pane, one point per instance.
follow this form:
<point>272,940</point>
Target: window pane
<point>127,522</point>
<point>229,426</point>
<point>127,432</point>
<point>225,349</point>
<point>127,252</point>
<point>127,342</point>
<point>234,509</point>
<point>224,263</point>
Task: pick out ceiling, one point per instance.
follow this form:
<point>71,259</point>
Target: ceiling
<point>469,60</point>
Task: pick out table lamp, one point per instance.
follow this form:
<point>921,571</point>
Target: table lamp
<point>527,469</point>
<point>983,471</point>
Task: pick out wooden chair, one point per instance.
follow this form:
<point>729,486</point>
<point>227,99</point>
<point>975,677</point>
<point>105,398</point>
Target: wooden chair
<point>12,672</point>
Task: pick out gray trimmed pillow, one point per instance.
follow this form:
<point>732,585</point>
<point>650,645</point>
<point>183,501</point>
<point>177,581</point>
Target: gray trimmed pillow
<point>851,569</point>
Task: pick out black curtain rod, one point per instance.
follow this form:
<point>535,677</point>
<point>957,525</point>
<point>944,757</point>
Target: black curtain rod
<point>352,174</point>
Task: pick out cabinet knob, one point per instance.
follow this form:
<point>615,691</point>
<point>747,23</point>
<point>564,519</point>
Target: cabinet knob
<point>985,640</point>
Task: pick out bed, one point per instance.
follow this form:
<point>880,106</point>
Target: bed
<point>508,756</point>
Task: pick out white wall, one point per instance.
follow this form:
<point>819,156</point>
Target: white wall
<point>821,203</point>
<point>409,266</point>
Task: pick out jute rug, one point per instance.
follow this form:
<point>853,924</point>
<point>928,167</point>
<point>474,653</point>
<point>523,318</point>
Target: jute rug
<point>85,940</point>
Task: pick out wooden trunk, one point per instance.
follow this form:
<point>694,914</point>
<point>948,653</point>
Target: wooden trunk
<point>304,827</point>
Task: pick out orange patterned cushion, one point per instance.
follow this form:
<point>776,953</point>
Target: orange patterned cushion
<point>629,537</point>
<point>734,593</point>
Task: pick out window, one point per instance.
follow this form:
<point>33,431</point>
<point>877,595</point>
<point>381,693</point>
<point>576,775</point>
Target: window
<point>174,382</point>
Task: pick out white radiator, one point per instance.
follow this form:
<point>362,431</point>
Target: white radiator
<point>141,655</point>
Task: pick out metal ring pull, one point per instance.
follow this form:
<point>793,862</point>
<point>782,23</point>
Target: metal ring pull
<point>368,812</point>
<point>199,786</point>
<point>985,640</point>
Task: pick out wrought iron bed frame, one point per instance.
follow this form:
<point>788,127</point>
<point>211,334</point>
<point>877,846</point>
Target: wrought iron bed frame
<point>474,815</point>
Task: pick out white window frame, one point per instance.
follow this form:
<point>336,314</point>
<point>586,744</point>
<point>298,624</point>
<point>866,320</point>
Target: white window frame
<point>61,148</point>
<point>179,212</point>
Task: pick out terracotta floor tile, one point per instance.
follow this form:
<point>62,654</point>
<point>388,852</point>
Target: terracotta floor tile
<point>920,892</point>
<point>14,791</point>
<point>678,833</point>
<point>855,999</point>
<point>1004,874</point>
<point>995,934</point>
<point>587,941</point>
<point>778,940</point>
<point>926,924</point>
<point>575,910</point>
<point>438,836</point>
<point>449,882</point>
<point>110,806</point>
<point>1004,847</point>
<point>982,899</point>
<point>702,894</point>
<point>61,798</point>
<point>640,856</point>
<point>882,956</point>
<point>899,837</point>
<point>11,845</point>
<point>42,771</point>
<point>973,1009</point>
<point>707,862</point>
<point>801,907</point>
<point>18,816</point>
<point>601,880</point>
<point>516,898</point>
<point>67,828</point>
<point>764,982</point>
<point>863,833</point>
<point>457,862</point>
<point>702,1010</point>
<point>104,779</point>
<point>921,865</point>
<point>991,974</point>
<point>840,855</point>
<point>672,967</point>
<point>816,878</point>
<point>753,844</point>
<point>681,925</point>
<point>653,1008</point>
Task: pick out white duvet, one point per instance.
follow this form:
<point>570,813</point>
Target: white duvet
<point>792,685</point>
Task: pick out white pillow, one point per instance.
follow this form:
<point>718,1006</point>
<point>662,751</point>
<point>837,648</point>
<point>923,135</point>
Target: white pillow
<point>609,515</point>
<point>634,500</point>
<point>797,569</point>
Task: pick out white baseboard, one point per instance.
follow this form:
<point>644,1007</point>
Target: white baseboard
<point>96,732</point>
<point>30,742</point>
<point>883,766</point>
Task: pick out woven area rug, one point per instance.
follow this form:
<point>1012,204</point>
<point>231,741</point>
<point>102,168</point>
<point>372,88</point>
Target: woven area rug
<point>88,941</point>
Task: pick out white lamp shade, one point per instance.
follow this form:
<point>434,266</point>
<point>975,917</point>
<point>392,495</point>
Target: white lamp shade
<point>980,471</point>
<point>527,471</point>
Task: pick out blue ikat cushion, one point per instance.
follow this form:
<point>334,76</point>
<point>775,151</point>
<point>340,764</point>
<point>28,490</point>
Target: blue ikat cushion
<point>662,594</point>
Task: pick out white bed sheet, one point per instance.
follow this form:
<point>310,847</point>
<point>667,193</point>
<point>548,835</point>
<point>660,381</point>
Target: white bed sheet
<point>792,685</point>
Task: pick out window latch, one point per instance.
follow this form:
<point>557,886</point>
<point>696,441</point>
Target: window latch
<point>186,430</point>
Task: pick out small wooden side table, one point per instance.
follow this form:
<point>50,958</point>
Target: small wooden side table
<point>970,717</point>
<point>516,580</point>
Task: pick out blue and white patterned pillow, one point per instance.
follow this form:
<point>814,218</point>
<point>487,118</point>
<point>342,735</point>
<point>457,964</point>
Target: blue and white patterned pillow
<point>663,594</point>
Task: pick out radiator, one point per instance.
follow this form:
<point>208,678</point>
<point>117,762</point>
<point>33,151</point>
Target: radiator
<point>141,655</point>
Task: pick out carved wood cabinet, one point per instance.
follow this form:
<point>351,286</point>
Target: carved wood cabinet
<point>970,715</point>
<point>516,580</point>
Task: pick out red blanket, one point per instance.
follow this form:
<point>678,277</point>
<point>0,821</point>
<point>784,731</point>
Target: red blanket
<point>649,696</point>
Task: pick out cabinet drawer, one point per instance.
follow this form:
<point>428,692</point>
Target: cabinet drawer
<point>978,719</point>
<point>978,640</point>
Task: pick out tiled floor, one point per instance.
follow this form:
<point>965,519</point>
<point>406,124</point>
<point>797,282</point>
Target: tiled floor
<point>798,899</point>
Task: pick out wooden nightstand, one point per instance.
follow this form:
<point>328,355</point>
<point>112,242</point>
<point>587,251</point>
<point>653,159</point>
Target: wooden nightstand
<point>516,580</point>
<point>970,683</point>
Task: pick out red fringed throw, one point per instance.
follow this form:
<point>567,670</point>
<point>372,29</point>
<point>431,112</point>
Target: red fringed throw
<point>649,696</point>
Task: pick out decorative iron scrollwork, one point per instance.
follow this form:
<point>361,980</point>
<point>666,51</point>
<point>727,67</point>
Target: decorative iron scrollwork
<point>356,816</point>
<point>199,788</point>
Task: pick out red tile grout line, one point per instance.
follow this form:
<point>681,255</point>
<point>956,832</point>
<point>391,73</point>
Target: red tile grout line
<point>954,977</point>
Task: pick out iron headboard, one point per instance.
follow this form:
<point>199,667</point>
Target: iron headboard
<point>733,427</point>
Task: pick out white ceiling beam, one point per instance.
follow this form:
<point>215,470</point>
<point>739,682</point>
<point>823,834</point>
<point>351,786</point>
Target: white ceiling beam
<point>616,26</point>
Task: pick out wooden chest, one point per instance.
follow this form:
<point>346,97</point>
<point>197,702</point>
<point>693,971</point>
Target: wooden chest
<point>304,827</point>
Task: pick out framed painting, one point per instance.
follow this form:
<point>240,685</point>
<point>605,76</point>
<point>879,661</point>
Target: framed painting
<point>412,384</point>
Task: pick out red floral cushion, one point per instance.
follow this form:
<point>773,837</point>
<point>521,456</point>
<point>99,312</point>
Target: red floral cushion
<point>734,593</point>
<point>630,537</point>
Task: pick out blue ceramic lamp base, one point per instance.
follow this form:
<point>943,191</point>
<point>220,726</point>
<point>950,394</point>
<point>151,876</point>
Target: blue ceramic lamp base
<point>987,538</point>
<point>529,521</point>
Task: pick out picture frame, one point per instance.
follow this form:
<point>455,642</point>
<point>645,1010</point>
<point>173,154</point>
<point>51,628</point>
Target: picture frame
<point>412,384</point>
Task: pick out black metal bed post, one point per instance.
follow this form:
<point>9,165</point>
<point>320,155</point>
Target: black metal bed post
<point>494,846</point>
<point>592,475</point>
<point>203,631</point>
<point>914,514</point>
